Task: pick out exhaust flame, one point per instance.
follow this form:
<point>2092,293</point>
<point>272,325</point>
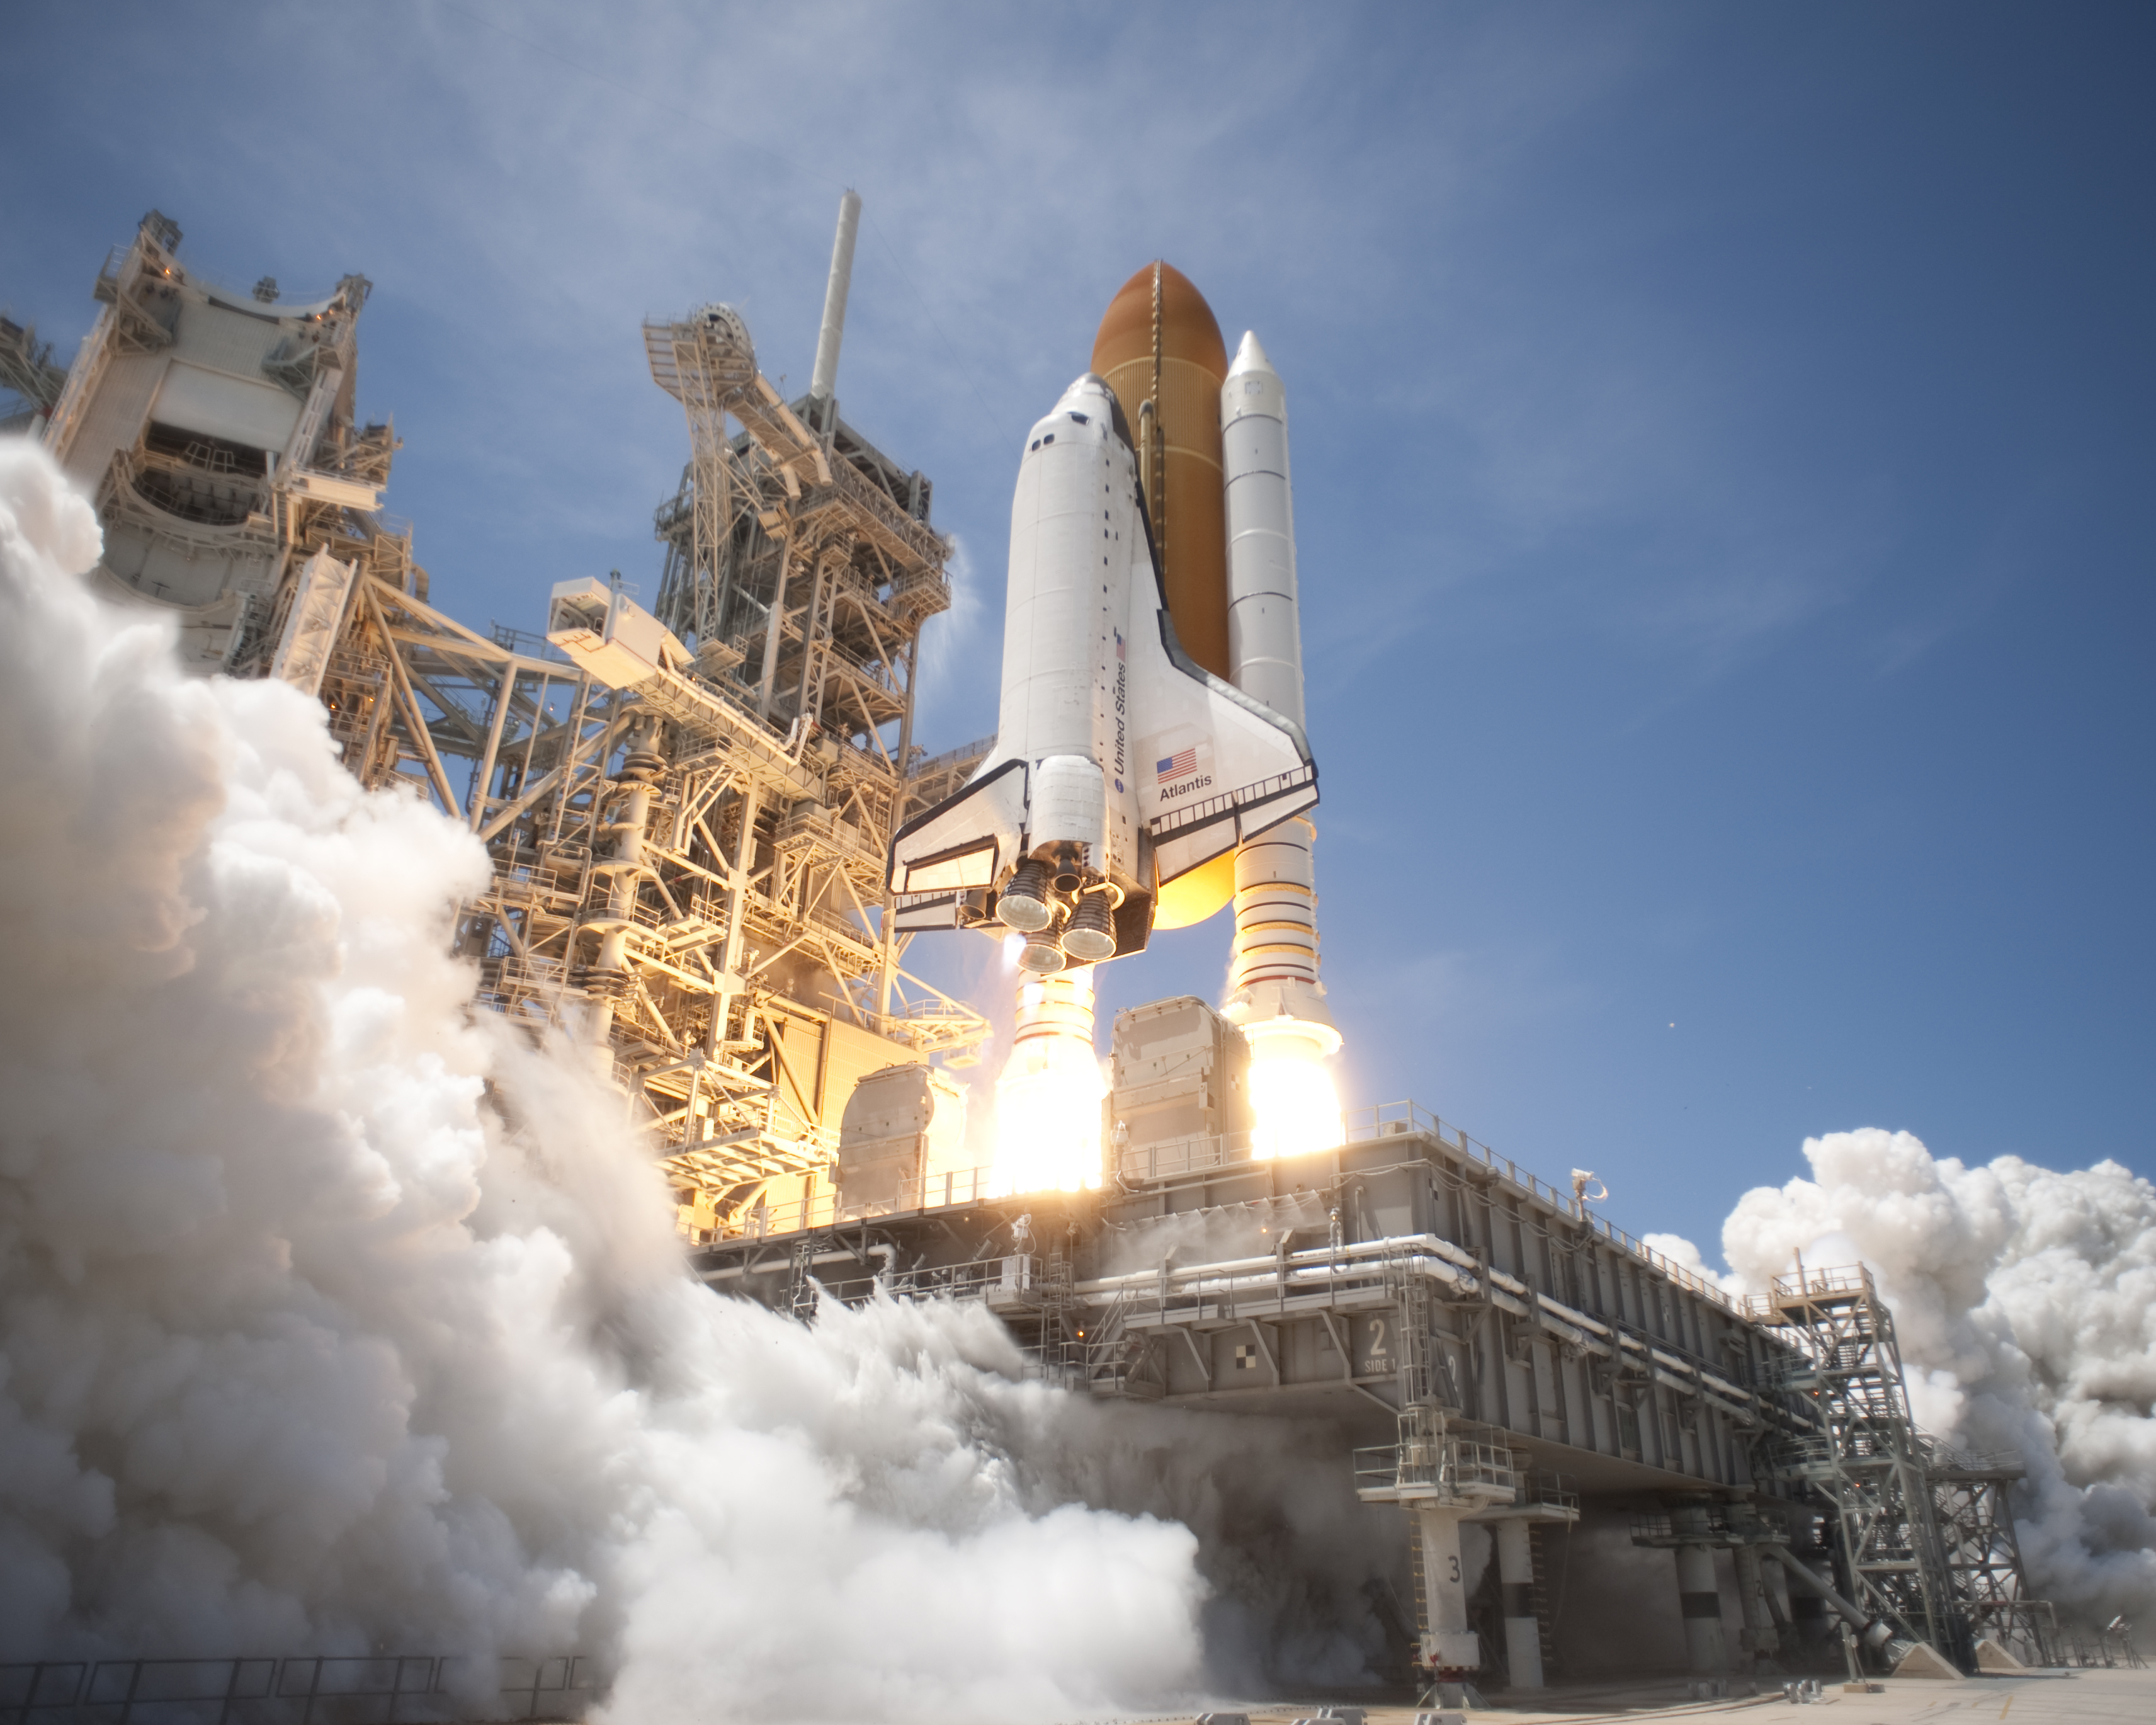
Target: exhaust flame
<point>1291,1093</point>
<point>1047,1100</point>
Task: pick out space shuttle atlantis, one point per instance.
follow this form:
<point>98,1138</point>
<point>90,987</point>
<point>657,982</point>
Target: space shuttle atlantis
<point>1120,764</point>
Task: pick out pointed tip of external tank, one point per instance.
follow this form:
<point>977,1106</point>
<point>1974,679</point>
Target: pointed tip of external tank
<point>1249,356</point>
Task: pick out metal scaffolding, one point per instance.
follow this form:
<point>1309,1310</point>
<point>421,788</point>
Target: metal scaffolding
<point>688,868</point>
<point>1924,1536</point>
<point>800,564</point>
<point>27,370</point>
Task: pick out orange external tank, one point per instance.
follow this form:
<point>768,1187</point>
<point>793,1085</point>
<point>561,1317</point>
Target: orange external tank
<point>1159,349</point>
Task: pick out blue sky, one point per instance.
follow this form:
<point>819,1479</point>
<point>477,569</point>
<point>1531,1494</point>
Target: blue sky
<point>1722,434</point>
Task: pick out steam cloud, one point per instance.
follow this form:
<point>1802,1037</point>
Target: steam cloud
<point>2025,1302</point>
<point>302,1349</point>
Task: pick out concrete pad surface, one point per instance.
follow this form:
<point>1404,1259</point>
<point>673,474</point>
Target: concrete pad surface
<point>2077,1698</point>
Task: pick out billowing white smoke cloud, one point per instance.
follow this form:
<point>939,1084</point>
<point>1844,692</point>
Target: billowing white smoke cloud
<point>2025,1301</point>
<point>300,1349</point>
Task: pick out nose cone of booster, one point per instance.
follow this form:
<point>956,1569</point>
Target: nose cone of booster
<point>1251,357</point>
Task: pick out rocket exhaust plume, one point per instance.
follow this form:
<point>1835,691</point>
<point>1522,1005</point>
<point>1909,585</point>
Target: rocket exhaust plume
<point>1048,1098</point>
<point>336,1317</point>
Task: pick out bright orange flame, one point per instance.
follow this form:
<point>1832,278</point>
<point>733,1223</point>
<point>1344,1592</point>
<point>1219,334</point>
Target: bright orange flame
<point>1048,1120</point>
<point>1292,1094</point>
<point>1047,1100</point>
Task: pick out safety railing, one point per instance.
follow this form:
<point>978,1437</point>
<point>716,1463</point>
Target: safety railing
<point>1540,1490</point>
<point>1378,1467</point>
<point>977,750</point>
<point>916,1193</point>
<point>1943,1458</point>
<point>1172,1158</point>
<point>1014,1273</point>
<point>386,1690</point>
<point>944,1190</point>
<point>1463,1462</point>
<point>1821,1284</point>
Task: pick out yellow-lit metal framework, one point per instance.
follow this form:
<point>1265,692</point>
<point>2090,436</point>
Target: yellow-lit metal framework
<point>688,873</point>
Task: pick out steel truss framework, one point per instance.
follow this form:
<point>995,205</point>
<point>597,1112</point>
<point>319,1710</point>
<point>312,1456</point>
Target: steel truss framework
<point>1925,1538</point>
<point>27,369</point>
<point>255,515</point>
<point>690,871</point>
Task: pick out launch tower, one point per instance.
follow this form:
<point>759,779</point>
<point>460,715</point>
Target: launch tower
<point>688,850</point>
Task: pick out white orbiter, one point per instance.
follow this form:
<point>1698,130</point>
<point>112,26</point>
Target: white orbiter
<point>1118,763</point>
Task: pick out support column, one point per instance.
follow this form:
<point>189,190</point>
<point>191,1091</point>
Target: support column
<point>1449,1646</point>
<point>1705,1641</point>
<point>1779,1605</point>
<point>731,983</point>
<point>1759,1638</point>
<point>1515,1578</point>
<point>623,872</point>
<point>1808,1612</point>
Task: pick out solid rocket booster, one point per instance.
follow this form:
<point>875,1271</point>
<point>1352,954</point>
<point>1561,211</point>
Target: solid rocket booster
<point>1120,764</point>
<point>1272,977</point>
<point>1264,638</point>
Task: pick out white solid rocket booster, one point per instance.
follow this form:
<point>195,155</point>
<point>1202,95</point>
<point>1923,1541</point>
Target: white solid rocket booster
<point>1272,982</point>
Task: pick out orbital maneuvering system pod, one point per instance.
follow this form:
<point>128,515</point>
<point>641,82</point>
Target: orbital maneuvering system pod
<point>1149,757</point>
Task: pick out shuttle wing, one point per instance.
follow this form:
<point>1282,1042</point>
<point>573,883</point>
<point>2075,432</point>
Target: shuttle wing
<point>1211,767</point>
<point>963,844</point>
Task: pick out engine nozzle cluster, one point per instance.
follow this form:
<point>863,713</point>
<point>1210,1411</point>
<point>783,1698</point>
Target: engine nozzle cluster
<point>1066,910</point>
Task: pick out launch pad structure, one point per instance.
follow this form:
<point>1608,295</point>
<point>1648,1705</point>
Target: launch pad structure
<point>690,807</point>
<point>687,870</point>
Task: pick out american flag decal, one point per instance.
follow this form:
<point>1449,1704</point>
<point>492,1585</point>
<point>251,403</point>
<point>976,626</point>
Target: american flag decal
<point>1175,766</point>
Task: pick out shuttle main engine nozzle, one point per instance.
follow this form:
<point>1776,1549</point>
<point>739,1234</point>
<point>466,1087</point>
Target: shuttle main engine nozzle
<point>1091,936</point>
<point>1026,904</point>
